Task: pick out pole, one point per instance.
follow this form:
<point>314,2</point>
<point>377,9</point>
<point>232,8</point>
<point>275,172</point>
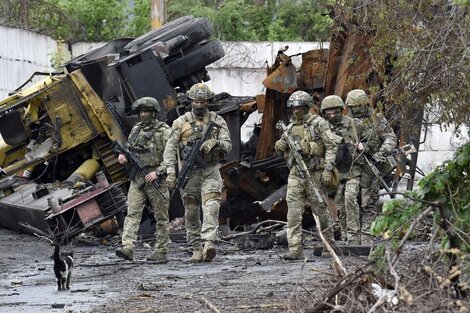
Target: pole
<point>158,13</point>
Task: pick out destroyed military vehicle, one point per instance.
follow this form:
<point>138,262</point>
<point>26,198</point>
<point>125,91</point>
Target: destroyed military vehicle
<point>59,172</point>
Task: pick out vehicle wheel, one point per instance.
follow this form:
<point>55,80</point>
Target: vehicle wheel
<point>196,29</point>
<point>202,55</point>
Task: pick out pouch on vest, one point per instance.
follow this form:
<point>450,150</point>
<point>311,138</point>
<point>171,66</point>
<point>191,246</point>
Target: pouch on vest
<point>343,156</point>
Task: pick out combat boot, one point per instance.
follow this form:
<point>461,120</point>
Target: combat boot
<point>197,256</point>
<point>209,252</point>
<point>126,253</point>
<point>157,257</point>
<point>294,254</point>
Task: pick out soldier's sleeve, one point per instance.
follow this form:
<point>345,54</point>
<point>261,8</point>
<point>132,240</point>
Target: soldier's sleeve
<point>166,132</point>
<point>169,154</point>
<point>223,136</point>
<point>281,146</point>
<point>387,137</point>
<point>330,140</point>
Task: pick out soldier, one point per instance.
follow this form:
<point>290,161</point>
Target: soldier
<point>349,171</point>
<point>318,147</point>
<point>147,140</point>
<point>204,187</point>
<point>378,140</point>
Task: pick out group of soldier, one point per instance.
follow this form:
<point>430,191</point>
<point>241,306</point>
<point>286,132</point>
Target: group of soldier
<point>160,148</point>
<point>332,147</point>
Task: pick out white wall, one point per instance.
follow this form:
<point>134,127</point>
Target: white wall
<point>21,54</point>
<point>240,73</point>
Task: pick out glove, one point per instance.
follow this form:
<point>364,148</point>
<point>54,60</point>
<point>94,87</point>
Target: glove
<point>305,146</point>
<point>378,156</point>
<point>280,145</point>
<point>208,145</point>
<point>326,178</point>
<point>171,180</point>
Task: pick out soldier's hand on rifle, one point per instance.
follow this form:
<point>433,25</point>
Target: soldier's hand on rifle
<point>171,180</point>
<point>359,146</point>
<point>150,177</point>
<point>327,175</point>
<point>280,145</point>
<point>378,156</point>
<point>208,145</point>
<point>122,158</point>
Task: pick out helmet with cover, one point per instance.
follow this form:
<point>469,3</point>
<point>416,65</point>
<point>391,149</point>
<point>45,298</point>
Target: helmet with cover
<point>146,104</point>
<point>200,91</point>
<point>299,98</point>
<point>357,98</point>
<point>331,102</point>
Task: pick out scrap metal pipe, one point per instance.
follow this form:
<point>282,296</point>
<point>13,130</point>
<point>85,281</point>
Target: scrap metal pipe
<point>85,172</point>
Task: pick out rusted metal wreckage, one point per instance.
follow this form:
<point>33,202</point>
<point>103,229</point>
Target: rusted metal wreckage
<point>60,176</point>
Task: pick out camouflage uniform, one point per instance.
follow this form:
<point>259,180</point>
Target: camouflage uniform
<point>204,186</point>
<point>147,140</point>
<point>348,168</point>
<point>378,139</point>
<point>318,146</point>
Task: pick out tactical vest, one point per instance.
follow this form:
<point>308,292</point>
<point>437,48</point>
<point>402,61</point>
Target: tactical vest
<point>309,131</point>
<point>194,128</point>
<point>344,155</point>
<point>148,143</point>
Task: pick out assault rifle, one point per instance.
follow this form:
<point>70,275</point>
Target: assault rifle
<point>192,157</point>
<point>300,165</point>
<point>137,164</point>
<point>376,173</point>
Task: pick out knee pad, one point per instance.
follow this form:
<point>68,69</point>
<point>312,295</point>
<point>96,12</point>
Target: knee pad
<point>213,206</point>
<point>190,201</point>
<point>211,196</point>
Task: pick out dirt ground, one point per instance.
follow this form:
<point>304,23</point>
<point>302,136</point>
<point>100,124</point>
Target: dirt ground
<point>236,281</point>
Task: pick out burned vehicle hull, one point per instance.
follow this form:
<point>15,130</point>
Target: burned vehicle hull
<point>60,174</point>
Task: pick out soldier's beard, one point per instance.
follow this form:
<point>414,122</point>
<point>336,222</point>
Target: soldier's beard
<point>200,111</point>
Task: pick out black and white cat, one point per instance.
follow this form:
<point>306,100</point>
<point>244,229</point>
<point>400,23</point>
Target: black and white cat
<point>63,266</point>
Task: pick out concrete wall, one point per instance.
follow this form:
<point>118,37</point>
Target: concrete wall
<point>21,54</point>
<point>239,73</point>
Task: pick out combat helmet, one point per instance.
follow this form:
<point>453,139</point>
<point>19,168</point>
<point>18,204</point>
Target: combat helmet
<point>300,98</point>
<point>357,98</point>
<point>146,104</point>
<point>331,102</point>
<point>200,91</point>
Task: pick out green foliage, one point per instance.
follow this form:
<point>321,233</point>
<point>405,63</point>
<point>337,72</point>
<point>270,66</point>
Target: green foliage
<point>245,20</point>
<point>102,20</point>
<point>140,21</point>
<point>448,183</point>
<point>233,20</point>
<point>419,50</point>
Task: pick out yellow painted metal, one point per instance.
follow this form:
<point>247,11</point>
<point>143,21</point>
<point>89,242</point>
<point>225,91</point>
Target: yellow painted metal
<point>88,169</point>
<point>75,113</point>
<point>94,103</point>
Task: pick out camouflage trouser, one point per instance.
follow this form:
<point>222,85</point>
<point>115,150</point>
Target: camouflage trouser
<point>348,210</point>
<point>369,197</point>
<point>136,199</point>
<point>204,189</point>
<point>297,199</point>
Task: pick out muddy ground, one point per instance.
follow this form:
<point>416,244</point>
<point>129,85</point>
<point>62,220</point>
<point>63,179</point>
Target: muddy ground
<point>236,281</point>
